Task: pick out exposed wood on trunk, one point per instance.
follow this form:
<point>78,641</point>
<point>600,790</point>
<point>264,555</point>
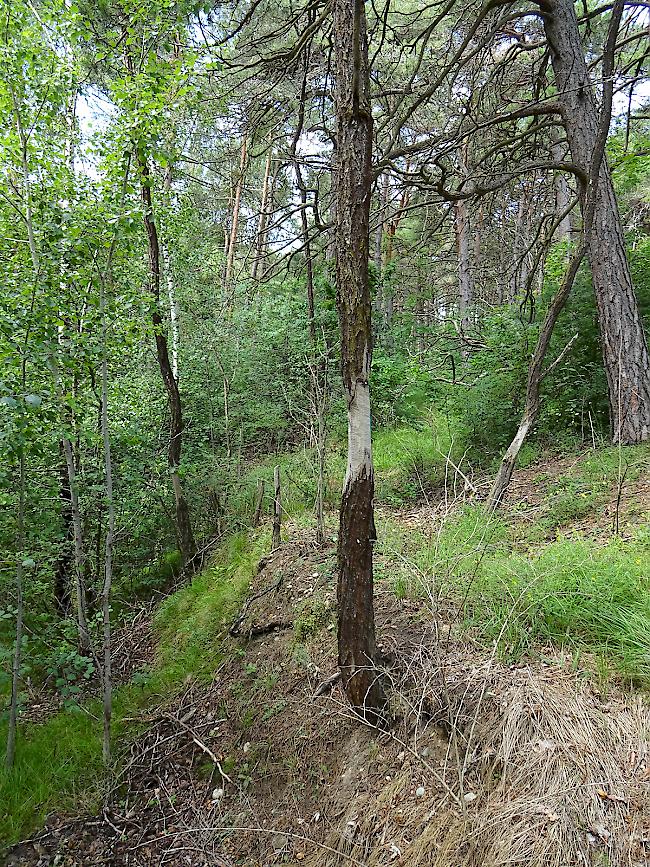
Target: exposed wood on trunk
<point>356,621</point>
<point>623,340</point>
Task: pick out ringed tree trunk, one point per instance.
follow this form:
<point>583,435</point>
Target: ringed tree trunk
<point>623,340</point>
<point>356,620</point>
<point>186,540</point>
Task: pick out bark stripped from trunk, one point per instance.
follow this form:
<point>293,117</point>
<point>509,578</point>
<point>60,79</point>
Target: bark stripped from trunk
<point>623,341</point>
<point>186,541</point>
<point>356,621</point>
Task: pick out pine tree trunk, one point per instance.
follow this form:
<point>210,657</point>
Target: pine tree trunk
<point>562,193</point>
<point>623,341</point>
<point>356,621</point>
<point>465,290</point>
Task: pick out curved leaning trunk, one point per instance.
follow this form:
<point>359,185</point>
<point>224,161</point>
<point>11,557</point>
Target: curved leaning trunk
<point>356,622</point>
<point>184,530</point>
<point>623,340</point>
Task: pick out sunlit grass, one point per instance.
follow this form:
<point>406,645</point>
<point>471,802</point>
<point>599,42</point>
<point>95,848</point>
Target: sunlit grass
<point>59,763</point>
<point>574,592</point>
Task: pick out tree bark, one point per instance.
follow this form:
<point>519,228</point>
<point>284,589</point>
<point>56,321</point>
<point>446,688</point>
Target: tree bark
<point>465,288</point>
<point>535,377</point>
<point>107,682</point>
<point>259,502</point>
<point>277,509</point>
<point>562,194</point>
<point>12,731</point>
<point>260,243</point>
<point>186,540</point>
<point>173,309</point>
<point>79,555</point>
<point>356,621</point>
<point>232,244</point>
<point>464,270</point>
<point>623,341</point>
<point>590,204</point>
<point>65,561</point>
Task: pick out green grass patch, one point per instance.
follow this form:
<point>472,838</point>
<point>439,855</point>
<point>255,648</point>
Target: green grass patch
<point>590,482</point>
<point>59,763</point>
<point>574,592</point>
<point>190,623</point>
<point>411,459</point>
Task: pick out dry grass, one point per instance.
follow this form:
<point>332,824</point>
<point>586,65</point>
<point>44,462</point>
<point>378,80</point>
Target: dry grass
<point>544,771</point>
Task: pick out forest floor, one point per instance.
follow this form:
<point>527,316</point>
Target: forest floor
<point>517,661</point>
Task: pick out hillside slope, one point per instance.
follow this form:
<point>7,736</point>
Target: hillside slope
<point>516,662</point>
